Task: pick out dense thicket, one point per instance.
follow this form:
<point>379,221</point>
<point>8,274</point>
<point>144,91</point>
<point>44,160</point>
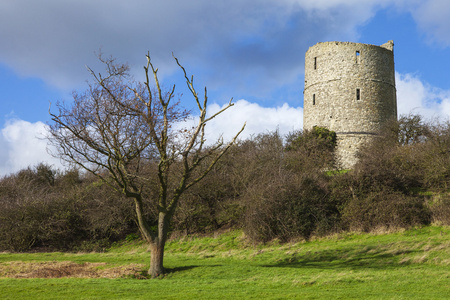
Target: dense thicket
<point>402,178</point>
<point>44,209</point>
<point>270,186</point>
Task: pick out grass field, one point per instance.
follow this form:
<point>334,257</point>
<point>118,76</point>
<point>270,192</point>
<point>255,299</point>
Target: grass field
<point>413,264</point>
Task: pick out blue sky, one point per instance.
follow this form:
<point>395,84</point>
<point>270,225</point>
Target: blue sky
<point>251,50</point>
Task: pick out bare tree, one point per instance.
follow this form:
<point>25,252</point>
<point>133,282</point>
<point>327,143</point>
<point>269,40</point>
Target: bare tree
<point>118,127</point>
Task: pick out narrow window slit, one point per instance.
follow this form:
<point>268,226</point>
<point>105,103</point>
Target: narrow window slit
<point>358,94</point>
<point>358,54</point>
<point>315,63</point>
<point>314,99</point>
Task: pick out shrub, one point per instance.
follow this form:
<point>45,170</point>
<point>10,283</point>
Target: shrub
<point>388,209</point>
<point>290,207</point>
<point>440,209</point>
<point>46,210</point>
<point>288,196</point>
<point>312,149</point>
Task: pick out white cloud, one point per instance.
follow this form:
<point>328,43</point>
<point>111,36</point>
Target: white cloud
<point>23,145</point>
<point>416,96</point>
<point>258,119</point>
<point>432,17</point>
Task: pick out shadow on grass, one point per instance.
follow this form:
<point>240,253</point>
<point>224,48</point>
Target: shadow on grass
<point>353,258</point>
<point>186,268</point>
<point>167,271</point>
<point>179,269</point>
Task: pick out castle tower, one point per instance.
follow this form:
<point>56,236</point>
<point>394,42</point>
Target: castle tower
<point>350,89</point>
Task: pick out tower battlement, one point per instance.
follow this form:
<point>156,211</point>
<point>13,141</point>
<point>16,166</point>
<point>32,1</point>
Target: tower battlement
<point>350,89</point>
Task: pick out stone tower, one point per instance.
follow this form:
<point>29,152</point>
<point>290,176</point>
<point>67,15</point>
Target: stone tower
<point>350,89</point>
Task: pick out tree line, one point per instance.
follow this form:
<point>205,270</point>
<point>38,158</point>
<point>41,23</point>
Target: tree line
<point>270,186</point>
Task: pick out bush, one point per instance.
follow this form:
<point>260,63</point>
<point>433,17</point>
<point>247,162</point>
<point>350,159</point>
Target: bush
<point>289,208</point>
<point>436,159</point>
<point>440,209</point>
<point>288,195</point>
<point>385,209</point>
<point>45,224</point>
<point>407,159</point>
<point>312,149</point>
<point>46,210</point>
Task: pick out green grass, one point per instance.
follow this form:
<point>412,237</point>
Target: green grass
<point>413,264</point>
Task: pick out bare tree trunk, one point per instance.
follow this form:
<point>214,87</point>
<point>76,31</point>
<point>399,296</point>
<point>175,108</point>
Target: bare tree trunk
<point>157,247</point>
<point>156,261</point>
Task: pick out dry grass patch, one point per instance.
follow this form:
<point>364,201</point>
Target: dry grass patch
<point>18,269</point>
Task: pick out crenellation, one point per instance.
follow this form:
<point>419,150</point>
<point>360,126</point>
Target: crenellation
<point>350,89</point>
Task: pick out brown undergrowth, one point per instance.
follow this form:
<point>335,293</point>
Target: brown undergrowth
<point>18,269</point>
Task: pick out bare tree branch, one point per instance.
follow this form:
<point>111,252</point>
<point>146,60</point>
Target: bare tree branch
<point>117,127</point>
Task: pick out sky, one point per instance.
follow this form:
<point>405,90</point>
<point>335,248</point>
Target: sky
<point>250,50</point>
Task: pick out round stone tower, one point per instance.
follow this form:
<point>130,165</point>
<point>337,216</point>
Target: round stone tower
<point>350,89</point>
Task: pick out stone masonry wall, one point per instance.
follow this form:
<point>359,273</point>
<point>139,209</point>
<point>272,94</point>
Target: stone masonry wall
<point>350,89</point>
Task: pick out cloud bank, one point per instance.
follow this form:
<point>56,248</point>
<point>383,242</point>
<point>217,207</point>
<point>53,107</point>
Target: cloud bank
<point>432,17</point>
<point>256,42</point>
<point>23,145</point>
<point>258,119</point>
<point>255,47</point>
<point>418,97</point>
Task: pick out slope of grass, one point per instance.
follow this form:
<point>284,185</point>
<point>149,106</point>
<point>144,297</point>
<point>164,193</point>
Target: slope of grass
<point>413,264</point>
